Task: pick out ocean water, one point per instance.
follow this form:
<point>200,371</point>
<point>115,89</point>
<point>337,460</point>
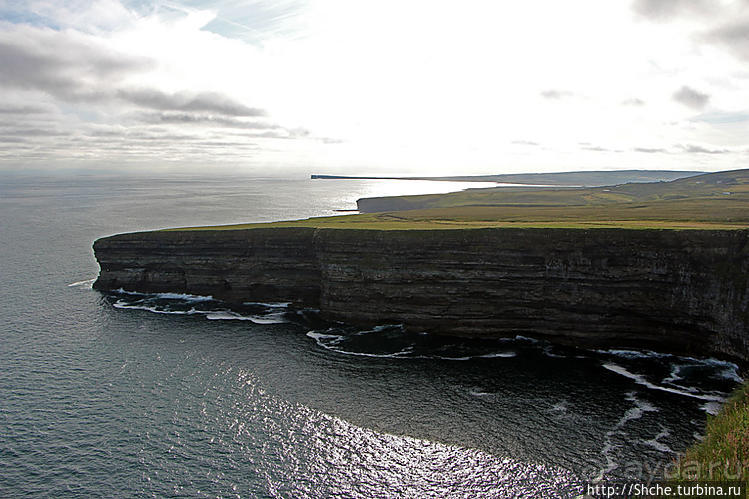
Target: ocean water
<point>124,394</point>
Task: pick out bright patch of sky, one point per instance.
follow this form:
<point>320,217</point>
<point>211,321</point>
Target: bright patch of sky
<point>344,86</point>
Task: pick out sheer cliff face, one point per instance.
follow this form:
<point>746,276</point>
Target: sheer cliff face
<point>675,290</point>
<point>682,291</point>
<point>237,266</point>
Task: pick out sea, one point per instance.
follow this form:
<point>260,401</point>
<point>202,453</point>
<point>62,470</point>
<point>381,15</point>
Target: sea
<point>168,395</point>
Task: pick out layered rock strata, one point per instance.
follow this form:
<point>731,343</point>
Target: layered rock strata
<point>233,265</point>
<point>685,291</point>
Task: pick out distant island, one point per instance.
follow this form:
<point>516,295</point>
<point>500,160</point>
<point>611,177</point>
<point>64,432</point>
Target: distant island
<point>572,179</point>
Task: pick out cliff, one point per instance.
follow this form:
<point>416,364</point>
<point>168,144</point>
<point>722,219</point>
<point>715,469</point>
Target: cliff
<point>236,265</point>
<point>684,291</point>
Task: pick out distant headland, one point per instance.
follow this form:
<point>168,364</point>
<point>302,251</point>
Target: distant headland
<point>572,179</point>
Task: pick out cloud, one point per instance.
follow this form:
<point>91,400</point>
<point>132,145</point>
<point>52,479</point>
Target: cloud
<point>211,102</point>
<point>66,65</point>
<point>732,31</point>
<point>697,149</point>
<point>258,128</point>
<point>556,94</point>
<point>686,148</point>
<point>650,150</point>
<point>71,97</point>
<point>238,127</point>
<point>734,36</point>
<point>587,146</point>
<point>666,10</point>
<point>77,68</point>
<point>633,102</point>
<point>691,98</point>
<point>107,132</point>
<point>25,109</point>
<point>34,132</point>
<point>204,119</point>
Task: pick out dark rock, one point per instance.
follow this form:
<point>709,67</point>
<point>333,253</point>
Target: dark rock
<point>684,291</point>
<point>236,266</point>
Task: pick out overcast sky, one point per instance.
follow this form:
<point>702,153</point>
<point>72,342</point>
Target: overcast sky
<point>324,86</point>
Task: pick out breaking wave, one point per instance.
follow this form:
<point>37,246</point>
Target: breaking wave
<point>641,380</point>
<point>395,342</point>
<point>206,306</point>
<point>88,283</point>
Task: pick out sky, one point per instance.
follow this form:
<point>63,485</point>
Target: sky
<point>374,88</point>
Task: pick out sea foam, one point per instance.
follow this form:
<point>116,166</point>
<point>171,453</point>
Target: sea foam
<point>640,380</point>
